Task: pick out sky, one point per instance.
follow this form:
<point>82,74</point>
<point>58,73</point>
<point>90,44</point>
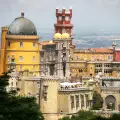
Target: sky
<point>88,15</point>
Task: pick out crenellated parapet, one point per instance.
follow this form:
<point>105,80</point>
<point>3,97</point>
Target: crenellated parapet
<point>108,89</point>
<point>64,12</point>
<point>5,28</point>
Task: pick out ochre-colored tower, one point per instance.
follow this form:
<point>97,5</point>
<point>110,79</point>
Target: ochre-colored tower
<point>3,49</point>
<point>20,46</point>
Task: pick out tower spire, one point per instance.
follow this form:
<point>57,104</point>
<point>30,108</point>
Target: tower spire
<point>22,13</point>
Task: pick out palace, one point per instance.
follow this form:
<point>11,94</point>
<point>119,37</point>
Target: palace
<point>59,75</point>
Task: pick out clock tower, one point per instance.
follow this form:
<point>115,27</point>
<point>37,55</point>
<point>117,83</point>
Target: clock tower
<point>63,24</point>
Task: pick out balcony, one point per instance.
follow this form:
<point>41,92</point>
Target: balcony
<point>63,25</point>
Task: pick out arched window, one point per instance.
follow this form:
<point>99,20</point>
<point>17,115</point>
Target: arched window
<point>11,83</point>
<point>33,58</point>
<point>34,44</point>
<point>21,44</point>
<point>12,59</point>
<point>8,58</point>
<point>21,58</point>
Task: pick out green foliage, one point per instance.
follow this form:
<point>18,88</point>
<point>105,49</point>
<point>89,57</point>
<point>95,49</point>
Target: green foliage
<point>97,101</point>
<point>82,115</point>
<point>115,117</point>
<point>13,107</point>
<point>88,115</point>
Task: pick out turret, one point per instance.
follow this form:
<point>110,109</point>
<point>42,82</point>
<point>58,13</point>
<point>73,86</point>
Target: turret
<point>3,48</point>
<point>114,46</point>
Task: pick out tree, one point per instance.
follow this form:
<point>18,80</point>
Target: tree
<point>13,107</point>
<point>86,115</point>
<point>97,101</point>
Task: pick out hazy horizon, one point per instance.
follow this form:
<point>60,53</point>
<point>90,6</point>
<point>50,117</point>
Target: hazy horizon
<point>88,15</point>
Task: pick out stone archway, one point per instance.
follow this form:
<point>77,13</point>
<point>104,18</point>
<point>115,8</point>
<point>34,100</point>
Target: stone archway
<point>110,102</point>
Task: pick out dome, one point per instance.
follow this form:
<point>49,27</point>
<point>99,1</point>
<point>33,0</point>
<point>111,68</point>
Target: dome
<point>22,26</point>
<point>65,36</point>
<point>57,36</point>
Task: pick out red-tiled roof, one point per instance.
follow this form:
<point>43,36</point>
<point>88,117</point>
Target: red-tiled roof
<point>100,49</point>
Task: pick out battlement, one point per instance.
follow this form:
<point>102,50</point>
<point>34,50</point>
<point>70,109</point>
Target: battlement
<point>5,28</point>
<point>111,78</point>
<point>64,12</point>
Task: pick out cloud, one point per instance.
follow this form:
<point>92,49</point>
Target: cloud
<point>87,14</point>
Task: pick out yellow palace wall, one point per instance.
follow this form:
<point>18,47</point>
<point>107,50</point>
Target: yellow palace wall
<point>81,61</point>
<point>27,51</point>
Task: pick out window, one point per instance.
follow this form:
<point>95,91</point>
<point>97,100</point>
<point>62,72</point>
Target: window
<point>21,44</point>
<point>8,58</point>
<point>93,58</point>
<point>8,43</point>
<point>63,31</point>
<point>20,67</point>
<point>34,44</point>
<point>77,101</point>
<point>45,87</point>
<point>72,102</point>
<point>87,102</point>
<point>11,84</point>
<point>33,58</point>
<point>100,57</point>
<point>82,101</point>
<point>21,59</point>
<point>12,59</point>
<point>110,57</point>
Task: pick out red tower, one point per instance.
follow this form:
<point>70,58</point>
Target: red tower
<point>63,24</point>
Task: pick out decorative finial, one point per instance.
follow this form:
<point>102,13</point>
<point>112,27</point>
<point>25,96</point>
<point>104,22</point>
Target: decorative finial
<point>22,13</point>
<point>114,43</point>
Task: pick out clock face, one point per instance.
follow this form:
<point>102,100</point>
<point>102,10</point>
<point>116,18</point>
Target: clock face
<point>67,18</point>
<point>60,18</point>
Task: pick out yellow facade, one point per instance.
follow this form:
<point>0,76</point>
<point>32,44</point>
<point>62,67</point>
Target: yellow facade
<point>29,51</point>
<point>83,62</point>
<point>3,47</point>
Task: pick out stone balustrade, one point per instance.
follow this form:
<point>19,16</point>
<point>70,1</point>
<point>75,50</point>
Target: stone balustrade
<point>110,88</point>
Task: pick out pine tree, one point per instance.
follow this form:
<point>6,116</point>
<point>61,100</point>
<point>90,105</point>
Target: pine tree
<point>13,107</point>
<point>97,101</point>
